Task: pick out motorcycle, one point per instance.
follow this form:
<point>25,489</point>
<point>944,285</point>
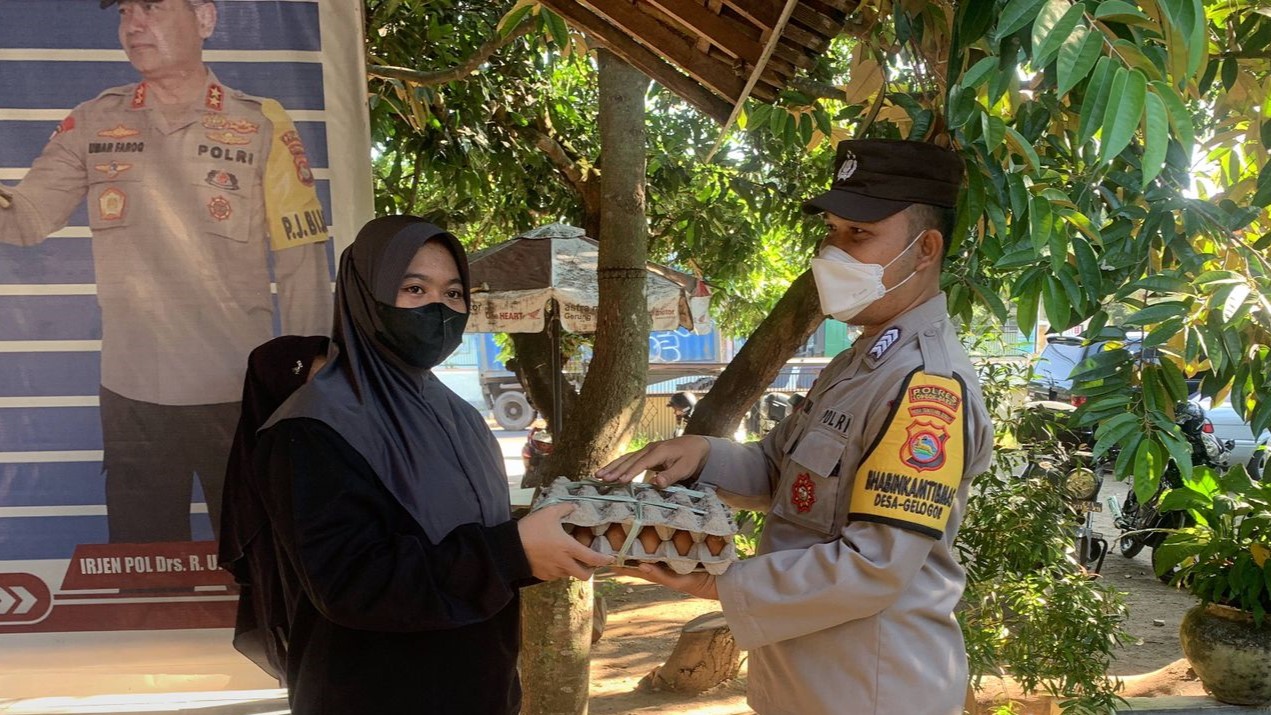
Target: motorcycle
<point>1066,462</point>
<point>1145,525</point>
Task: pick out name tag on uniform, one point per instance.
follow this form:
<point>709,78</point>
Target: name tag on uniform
<point>835,420</point>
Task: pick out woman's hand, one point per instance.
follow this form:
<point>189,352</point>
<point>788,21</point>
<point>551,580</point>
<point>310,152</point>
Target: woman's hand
<point>552,553</point>
<point>674,460</point>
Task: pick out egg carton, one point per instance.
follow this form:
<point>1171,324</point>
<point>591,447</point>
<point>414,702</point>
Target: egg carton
<point>686,529</point>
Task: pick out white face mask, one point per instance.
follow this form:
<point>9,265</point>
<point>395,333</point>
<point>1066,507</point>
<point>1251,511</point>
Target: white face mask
<point>846,285</point>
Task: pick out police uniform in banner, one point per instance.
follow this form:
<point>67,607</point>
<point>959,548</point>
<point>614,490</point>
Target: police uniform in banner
<point>850,608</point>
<point>189,207</point>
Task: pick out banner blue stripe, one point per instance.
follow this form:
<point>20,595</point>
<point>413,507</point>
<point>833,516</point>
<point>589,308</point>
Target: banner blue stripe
<point>81,24</point>
<point>21,142</point>
<point>49,317</point>
<point>69,484</point>
<point>49,429</point>
<point>42,374</point>
<point>27,84</point>
<point>55,537</point>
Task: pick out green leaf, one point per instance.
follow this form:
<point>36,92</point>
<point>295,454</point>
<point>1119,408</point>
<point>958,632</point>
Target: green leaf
<point>1118,11</point>
<point>556,27</point>
<point>1112,431</point>
<point>1129,88</point>
<point>1015,15</point>
<point>1040,222</point>
<point>1262,196</point>
<point>1133,56</point>
<point>1234,301</point>
<point>1149,464</point>
<point>1054,27</point>
<point>994,130</point>
<point>1056,300</point>
<point>1078,56</point>
<point>973,20</point>
<point>1179,449</point>
<point>1156,138</point>
<point>1017,258</point>
<point>1156,313</point>
<point>1179,118</point>
<point>1026,307</point>
<point>1095,103</point>
<point>979,71</point>
<point>1087,266</point>
<point>1021,146</point>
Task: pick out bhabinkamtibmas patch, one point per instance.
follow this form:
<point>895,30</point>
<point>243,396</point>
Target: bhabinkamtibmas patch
<point>910,476</point>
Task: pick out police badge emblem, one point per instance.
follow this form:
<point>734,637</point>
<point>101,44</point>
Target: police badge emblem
<point>111,204</point>
<point>219,207</point>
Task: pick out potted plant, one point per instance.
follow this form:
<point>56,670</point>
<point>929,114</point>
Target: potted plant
<point>1222,559</point>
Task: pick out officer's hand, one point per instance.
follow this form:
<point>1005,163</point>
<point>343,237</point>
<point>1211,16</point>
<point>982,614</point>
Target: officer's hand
<point>699,585</point>
<point>6,199</point>
<point>674,460</point>
<point>552,553</point>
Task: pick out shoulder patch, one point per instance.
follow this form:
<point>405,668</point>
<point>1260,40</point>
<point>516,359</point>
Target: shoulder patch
<point>910,476</point>
<point>884,342</point>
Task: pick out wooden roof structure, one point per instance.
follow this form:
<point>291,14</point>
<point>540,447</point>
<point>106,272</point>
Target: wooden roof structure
<point>713,53</point>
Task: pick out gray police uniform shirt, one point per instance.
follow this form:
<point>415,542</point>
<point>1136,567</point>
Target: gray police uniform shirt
<point>188,207</point>
<point>848,608</point>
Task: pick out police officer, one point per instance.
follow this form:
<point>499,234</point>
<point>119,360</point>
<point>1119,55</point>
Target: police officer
<point>848,608</point>
<point>193,190</point>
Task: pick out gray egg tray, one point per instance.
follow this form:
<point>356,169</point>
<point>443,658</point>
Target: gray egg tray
<point>686,529</point>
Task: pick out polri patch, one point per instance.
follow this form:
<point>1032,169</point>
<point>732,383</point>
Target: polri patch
<point>835,420</point>
<point>803,493</point>
<point>111,204</point>
<point>219,207</point>
<point>910,476</point>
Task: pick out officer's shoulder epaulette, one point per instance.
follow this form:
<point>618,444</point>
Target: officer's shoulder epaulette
<point>884,346</point>
<point>123,90</point>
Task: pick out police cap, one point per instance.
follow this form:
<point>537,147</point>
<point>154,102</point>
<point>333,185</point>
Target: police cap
<point>875,178</point>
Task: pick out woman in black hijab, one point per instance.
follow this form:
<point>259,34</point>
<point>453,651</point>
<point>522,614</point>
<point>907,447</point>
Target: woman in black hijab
<point>389,503</point>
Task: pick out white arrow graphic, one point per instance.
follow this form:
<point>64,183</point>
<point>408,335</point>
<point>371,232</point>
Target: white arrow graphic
<point>6,601</point>
<point>26,600</point>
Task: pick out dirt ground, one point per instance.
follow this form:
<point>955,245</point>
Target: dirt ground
<point>644,622</point>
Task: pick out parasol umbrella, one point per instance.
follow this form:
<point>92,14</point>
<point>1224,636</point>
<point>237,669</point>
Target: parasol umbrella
<point>546,279</point>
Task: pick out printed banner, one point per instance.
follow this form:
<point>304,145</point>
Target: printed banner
<point>151,235</point>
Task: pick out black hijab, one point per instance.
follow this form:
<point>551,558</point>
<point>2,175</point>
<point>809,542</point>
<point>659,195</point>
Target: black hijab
<point>274,371</point>
<point>431,449</point>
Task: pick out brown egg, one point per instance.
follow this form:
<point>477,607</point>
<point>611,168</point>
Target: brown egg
<point>616,536</point>
<point>715,544</point>
<point>583,535</point>
<point>649,539</point>
<point>683,541</point>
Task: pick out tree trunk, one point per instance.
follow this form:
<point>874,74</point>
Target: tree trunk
<point>556,635</point>
<point>554,661</point>
<point>775,341</point>
<point>705,656</point>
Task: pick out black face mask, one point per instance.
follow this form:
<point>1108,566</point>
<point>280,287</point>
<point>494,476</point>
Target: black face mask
<point>422,337</point>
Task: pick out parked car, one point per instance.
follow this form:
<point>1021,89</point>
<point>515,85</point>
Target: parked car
<point>1052,373</point>
<point>1249,450</point>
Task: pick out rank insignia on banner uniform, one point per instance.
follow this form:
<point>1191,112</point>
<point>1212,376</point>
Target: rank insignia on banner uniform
<point>803,493</point>
<point>215,97</point>
<point>910,475</point>
<point>228,137</point>
<point>222,180</point>
<point>63,127</point>
<point>111,204</point>
<point>222,122</point>
<point>139,96</point>
<point>219,207</point>
<point>112,169</point>
<point>884,342</point>
<point>118,132</point>
<point>297,148</point>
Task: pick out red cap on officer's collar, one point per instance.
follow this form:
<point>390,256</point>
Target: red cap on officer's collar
<point>875,178</point>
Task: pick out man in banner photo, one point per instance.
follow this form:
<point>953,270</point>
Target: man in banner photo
<point>848,606</point>
<point>194,191</point>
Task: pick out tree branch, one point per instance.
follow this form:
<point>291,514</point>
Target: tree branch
<point>458,72</point>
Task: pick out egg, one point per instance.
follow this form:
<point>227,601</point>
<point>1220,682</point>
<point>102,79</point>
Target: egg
<point>715,544</point>
<point>583,536</point>
<point>683,541</point>
<point>649,540</point>
<point>616,536</point>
